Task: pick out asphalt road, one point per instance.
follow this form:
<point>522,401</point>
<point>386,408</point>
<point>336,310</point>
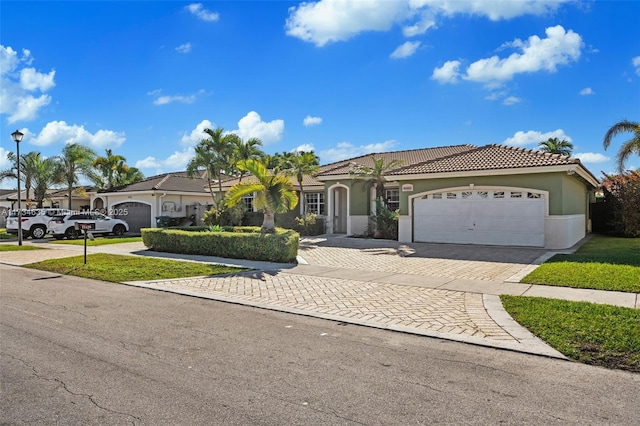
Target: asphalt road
<point>84,352</point>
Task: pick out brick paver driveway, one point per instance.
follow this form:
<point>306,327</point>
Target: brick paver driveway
<point>487,263</point>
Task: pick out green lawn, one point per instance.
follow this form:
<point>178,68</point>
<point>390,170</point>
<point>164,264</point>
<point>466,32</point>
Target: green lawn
<point>99,241</point>
<point>4,235</point>
<point>16,247</point>
<point>603,335</point>
<point>603,263</point>
<point>117,268</point>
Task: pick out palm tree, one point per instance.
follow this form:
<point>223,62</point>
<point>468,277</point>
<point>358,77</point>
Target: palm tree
<point>43,177</point>
<point>632,146</point>
<point>375,175</point>
<point>274,194</point>
<point>243,151</point>
<point>204,160</point>
<point>109,167</point>
<point>302,164</point>
<point>28,164</point>
<point>554,146</point>
<point>221,147</point>
<point>75,160</point>
<point>128,175</point>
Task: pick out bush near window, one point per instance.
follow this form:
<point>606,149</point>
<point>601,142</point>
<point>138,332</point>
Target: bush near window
<point>224,216</point>
<point>309,225</point>
<point>385,221</point>
<point>622,193</point>
<point>241,243</point>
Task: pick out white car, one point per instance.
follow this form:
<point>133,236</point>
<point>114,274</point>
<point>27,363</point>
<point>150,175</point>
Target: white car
<point>34,221</point>
<point>65,226</point>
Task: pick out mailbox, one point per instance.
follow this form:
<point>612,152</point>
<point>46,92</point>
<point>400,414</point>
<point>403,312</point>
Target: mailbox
<point>80,226</point>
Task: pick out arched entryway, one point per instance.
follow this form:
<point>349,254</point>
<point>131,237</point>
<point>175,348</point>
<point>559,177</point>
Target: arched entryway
<point>338,210</point>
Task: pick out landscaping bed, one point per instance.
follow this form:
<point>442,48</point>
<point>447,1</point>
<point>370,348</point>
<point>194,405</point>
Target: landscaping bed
<point>241,242</point>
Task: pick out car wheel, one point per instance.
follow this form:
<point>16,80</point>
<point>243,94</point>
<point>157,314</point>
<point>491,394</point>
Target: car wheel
<point>118,230</point>
<point>38,232</point>
<point>71,233</point>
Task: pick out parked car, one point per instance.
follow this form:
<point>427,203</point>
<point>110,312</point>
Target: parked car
<point>64,226</point>
<point>34,221</point>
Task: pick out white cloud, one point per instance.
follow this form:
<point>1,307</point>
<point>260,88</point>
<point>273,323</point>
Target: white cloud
<point>203,14</point>
<point>4,163</point>
<point>592,157</point>
<point>511,100</point>
<point>531,137</point>
<point>587,91</point>
<point>345,150</point>
<point>164,100</point>
<point>197,134</point>
<point>448,73</point>
<point>175,162</point>
<point>60,132</point>
<point>17,84</point>
<point>311,121</point>
<point>326,21</point>
<point>559,48</point>
<point>307,147</point>
<point>405,50</point>
<point>184,48</point>
<point>252,126</point>
<point>338,20</point>
<point>636,63</point>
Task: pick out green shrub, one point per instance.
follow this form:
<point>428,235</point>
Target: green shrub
<point>309,225</point>
<point>385,221</point>
<point>243,243</point>
<point>224,216</point>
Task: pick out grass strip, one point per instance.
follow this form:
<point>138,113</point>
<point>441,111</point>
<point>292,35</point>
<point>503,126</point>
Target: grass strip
<point>603,335</point>
<point>603,263</point>
<point>11,247</point>
<point>119,268</point>
<point>99,241</point>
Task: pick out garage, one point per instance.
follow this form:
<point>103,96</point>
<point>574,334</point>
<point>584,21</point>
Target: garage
<point>137,215</point>
<point>491,216</point>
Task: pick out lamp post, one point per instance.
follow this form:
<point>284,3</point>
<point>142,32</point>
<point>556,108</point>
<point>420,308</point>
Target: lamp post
<point>17,137</point>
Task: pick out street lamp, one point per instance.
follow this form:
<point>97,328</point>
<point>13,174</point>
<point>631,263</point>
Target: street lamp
<point>17,137</point>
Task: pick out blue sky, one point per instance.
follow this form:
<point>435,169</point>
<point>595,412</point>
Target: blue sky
<point>342,77</point>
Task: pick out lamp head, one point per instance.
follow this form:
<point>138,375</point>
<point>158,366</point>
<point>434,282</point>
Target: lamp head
<point>17,136</point>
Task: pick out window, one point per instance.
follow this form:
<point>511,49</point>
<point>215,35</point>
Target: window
<point>437,196</point>
<point>498,194</point>
<point>314,202</point>
<point>451,195</point>
<point>533,195</point>
<point>466,194</point>
<point>393,198</point>
<point>483,194</point>
<point>248,202</point>
<point>516,195</point>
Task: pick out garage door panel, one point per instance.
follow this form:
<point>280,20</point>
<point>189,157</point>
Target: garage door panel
<point>137,215</point>
<point>480,220</point>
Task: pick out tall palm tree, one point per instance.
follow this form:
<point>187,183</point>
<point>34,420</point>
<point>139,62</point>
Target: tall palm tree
<point>274,194</point>
<point>74,161</point>
<point>243,151</point>
<point>632,146</point>
<point>204,160</point>
<point>43,178</point>
<point>555,146</point>
<point>221,146</point>
<point>109,167</point>
<point>302,164</point>
<point>28,164</point>
<point>375,175</point>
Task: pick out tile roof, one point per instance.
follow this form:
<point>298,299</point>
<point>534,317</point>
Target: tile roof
<point>453,159</point>
<point>177,181</point>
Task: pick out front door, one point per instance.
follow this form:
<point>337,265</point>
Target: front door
<point>340,210</point>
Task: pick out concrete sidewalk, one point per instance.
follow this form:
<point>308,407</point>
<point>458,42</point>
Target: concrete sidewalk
<point>442,306</point>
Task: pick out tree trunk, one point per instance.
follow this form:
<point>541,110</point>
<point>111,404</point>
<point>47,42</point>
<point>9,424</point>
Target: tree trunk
<point>70,193</point>
<point>269,223</point>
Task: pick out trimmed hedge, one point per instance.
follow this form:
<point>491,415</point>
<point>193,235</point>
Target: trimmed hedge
<point>244,242</point>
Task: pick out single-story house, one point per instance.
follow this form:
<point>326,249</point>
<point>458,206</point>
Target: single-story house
<point>464,194</point>
<point>141,203</point>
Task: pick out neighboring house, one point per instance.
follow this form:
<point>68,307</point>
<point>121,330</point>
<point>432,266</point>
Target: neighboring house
<point>141,203</point>
<point>465,194</point>
<point>5,205</point>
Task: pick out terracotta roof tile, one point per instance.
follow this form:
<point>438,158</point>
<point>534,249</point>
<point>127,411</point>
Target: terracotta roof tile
<point>165,182</point>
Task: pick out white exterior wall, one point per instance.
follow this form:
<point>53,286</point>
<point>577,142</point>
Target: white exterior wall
<point>561,232</point>
<point>405,229</point>
<point>358,225</point>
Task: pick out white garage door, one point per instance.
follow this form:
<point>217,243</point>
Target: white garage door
<point>500,217</point>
